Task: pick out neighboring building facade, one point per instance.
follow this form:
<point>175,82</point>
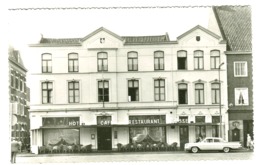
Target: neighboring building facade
<point>105,89</point>
<point>19,98</point>
<point>234,25</point>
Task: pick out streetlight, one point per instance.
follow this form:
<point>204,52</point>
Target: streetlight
<point>220,115</point>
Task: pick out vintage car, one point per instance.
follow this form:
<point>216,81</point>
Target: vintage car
<point>212,143</point>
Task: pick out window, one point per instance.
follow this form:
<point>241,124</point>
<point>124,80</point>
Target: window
<point>183,93</point>
<point>73,92</point>
<point>214,59</point>
<point>147,134</point>
<point>183,119</point>
<point>241,96</point>
<point>215,93</point>
<point>12,80</point>
<point>158,60</point>
<point>240,69</point>
<point>215,119</point>
<point>102,61</point>
<point>182,59</point>
<point>133,90</point>
<point>47,92</point>
<point>132,61</point>
<point>199,119</point>
<point>103,91</point>
<point>199,93</point>
<point>21,85</point>
<point>16,83</point>
<point>46,63</point>
<point>159,90</point>
<point>198,59</point>
<point>73,62</point>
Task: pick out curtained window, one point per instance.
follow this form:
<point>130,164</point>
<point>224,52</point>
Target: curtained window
<point>147,134</point>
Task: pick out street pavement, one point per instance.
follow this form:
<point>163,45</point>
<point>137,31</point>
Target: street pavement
<point>132,157</point>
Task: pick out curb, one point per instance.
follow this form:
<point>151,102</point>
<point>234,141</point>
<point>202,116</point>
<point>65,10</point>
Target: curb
<point>114,153</point>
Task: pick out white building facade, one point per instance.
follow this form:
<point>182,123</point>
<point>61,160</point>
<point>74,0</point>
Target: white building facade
<point>106,89</point>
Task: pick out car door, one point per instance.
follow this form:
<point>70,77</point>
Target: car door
<point>207,144</point>
<point>218,144</point>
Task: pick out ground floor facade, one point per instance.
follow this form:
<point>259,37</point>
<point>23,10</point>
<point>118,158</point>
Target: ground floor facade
<point>105,128</point>
<point>241,123</point>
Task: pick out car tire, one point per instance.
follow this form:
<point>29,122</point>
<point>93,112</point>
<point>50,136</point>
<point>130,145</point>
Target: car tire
<point>194,149</point>
<point>226,149</point>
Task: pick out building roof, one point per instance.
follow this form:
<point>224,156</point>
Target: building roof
<point>15,57</point>
<point>60,40</point>
<point>235,26</point>
<point>127,39</point>
<point>146,39</point>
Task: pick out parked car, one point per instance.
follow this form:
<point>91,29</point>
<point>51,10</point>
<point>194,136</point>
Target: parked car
<point>212,143</point>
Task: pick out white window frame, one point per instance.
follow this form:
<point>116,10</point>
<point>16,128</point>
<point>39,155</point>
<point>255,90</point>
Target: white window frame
<point>245,96</point>
<point>246,70</point>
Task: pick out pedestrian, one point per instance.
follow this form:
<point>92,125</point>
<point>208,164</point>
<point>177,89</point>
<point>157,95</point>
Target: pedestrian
<point>15,147</point>
<point>248,142</point>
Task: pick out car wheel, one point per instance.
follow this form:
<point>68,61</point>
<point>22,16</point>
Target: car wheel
<point>226,149</point>
<point>194,149</point>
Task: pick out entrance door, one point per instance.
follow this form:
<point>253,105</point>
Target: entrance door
<point>184,136</point>
<point>236,134</point>
<point>104,138</point>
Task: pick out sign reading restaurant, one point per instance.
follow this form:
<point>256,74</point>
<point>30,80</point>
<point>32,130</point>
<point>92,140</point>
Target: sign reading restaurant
<point>151,119</point>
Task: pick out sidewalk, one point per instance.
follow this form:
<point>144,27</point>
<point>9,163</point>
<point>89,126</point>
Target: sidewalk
<point>23,154</point>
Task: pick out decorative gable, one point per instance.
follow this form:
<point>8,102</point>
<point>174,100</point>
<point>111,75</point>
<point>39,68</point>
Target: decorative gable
<point>199,36</point>
<point>102,38</point>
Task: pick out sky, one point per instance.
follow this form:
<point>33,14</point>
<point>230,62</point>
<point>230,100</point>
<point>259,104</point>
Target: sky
<point>27,26</point>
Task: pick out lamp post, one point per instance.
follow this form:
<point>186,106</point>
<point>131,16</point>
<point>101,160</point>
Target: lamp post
<point>220,113</point>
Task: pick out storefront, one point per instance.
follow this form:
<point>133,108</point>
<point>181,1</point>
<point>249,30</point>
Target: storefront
<point>240,124</point>
<point>60,130</point>
<point>147,129</point>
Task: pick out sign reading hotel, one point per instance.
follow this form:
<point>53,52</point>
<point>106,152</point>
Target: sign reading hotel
<point>60,121</point>
<point>142,120</point>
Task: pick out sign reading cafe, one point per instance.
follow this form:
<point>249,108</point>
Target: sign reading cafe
<point>151,119</point>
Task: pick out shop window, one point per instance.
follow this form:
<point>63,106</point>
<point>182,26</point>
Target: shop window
<point>183,93</point>
<point>46,63</point>
<point>102,61</point>
<point>240,69</point>
<point>103,91</point>
<point>132,61</point>
<point>200,131</point>
<point>73,92</point>
<point>241,96</point>
<point>215,131</point>
<point>182,59</point>
<point>60,136</point>
<point>133,90</point>
<point>73,62</point>
<point>147,135</point>
<point>159,90</point>
<point>198,60</point>
<point>47,92</point>
<point>199,93</point>
<point>159,60</point>
<point>214,59</point>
